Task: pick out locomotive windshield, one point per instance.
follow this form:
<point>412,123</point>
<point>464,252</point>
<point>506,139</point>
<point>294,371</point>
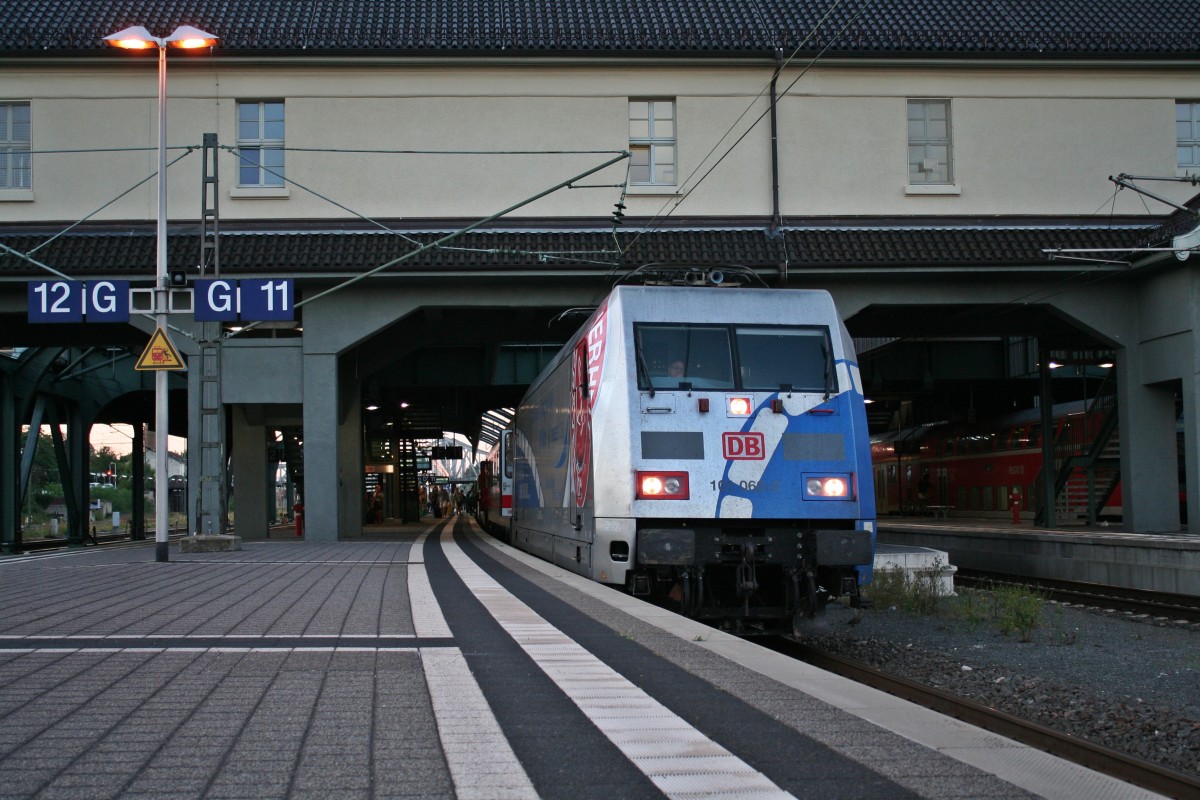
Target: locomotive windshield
<point>752,357</point>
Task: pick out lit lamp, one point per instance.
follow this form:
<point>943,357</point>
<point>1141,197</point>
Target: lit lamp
<point>138,38</point>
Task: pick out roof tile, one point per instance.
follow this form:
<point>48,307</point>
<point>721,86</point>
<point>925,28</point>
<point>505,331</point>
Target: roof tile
<point>1044,27</point>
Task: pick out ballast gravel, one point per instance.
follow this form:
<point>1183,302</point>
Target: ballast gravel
<point>1132,684</point>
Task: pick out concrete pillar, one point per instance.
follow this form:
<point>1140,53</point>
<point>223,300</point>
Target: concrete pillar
<point>323,468</point>
<point>10,467</point>
<point>1149,468</point>
<point>250,467</point>
<point>1191,448</point>
<point>350,466</point>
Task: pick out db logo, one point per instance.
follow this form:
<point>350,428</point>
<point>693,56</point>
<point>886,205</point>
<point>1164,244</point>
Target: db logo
<point>743,446</point>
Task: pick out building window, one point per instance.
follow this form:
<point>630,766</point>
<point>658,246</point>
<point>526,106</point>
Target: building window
<point>16,168</point>
<point>929,154</point>
<point>260,143</point>
<point>652,142</point>
<point>1187,135</point>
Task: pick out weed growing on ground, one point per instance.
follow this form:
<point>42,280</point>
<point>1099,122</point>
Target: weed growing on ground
<point>1019,610</point>
<point>972,608</point>
<point>1012,609</point>
<point>892,587</point>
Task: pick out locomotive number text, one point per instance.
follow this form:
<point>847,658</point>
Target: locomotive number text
<point>746,486</point>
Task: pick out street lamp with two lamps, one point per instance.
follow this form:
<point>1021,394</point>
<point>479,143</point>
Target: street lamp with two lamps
<point>138,38</point>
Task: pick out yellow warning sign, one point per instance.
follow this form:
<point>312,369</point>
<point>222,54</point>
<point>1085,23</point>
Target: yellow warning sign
<point>160,353</point>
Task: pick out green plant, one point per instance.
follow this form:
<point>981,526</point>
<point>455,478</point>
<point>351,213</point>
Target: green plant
<point>886,588</point>
<point>1018,610</point>
<point>918,592</point>
<point>973,608</point>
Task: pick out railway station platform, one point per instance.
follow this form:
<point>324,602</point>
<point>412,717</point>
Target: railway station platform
<point>1108,556</point>
<point>428,660</point>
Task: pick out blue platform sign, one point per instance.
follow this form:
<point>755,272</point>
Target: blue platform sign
<point>78,301</point>
<point>266,300</point>
<point>249,300</point>
<point>215,301</point>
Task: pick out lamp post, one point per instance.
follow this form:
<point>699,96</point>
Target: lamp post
<point>138,38</point>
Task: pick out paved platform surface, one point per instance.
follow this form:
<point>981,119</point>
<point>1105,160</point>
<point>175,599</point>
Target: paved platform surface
<point>428,661</point>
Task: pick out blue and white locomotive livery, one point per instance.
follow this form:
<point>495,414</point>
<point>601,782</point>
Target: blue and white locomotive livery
<point>705,447</point>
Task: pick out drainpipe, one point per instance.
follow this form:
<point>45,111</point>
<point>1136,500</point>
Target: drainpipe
<point>776,217</point>
<point>775,231</point>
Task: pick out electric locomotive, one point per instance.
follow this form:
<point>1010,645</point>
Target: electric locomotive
<point>703,444</point>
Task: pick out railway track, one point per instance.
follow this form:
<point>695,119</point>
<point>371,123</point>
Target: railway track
<point>1134,770</point>
<point>1137,601</point>
<point>41,545</point>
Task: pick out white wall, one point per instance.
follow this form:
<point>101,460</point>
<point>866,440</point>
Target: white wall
<point>1026,140</point>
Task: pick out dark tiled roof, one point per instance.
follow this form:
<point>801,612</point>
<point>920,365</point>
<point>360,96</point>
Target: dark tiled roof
<point>83,253</point>
<point>1078,28</point>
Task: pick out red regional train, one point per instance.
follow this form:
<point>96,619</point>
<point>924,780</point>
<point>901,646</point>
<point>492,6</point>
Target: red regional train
<point>496,488</point>
<point>982,470</point>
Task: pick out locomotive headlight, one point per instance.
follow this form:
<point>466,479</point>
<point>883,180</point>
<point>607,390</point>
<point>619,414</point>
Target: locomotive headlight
<point>835,487</point>
<point>662,486</point>
<point>826,487</point>
<point>740,406</point>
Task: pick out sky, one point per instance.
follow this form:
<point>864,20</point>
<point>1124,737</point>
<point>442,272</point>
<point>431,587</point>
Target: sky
<point>119,439</point>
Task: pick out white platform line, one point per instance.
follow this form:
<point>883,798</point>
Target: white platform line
<point>1032,770</point>
<point>482,763</point>
<point>426,613</point>
<point>680,760</point>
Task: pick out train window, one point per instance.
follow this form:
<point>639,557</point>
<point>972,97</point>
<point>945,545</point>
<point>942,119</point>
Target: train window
<point>771,358</point>
<point>670,355</point>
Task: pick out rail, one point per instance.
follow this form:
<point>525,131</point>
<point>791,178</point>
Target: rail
<point>1139,601</point>
<point>33,545</point>
<point>1114,763</point>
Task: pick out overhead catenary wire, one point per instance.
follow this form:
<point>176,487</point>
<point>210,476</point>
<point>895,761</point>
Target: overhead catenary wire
<point>467,229</point>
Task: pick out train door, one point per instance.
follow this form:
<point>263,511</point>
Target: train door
<point>942,481</point>
<point>506,474</point>
<point>884,502</point>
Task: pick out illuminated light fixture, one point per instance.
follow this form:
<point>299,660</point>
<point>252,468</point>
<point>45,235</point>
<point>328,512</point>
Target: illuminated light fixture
<point>1106,365</point>
<point>1054,365</point>
<point>826,487</point>
<point>739,406</point>
<point>404,405</point>
<point>138,38</point>
<point>185,37</point>
<point>867,401</point>
<point>372,407</point>
<point>662,486</point>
